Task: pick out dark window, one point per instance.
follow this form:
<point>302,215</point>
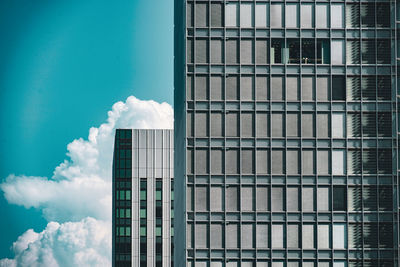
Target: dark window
<point>339,198</point>
<point>338,88</point>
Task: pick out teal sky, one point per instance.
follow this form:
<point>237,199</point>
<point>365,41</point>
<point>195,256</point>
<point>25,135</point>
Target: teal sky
<point>64,63</point>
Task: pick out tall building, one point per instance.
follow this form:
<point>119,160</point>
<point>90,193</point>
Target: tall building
<point>143,198</point>
<point>286,133</point>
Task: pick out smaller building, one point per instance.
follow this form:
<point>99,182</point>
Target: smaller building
<point>142,198</point>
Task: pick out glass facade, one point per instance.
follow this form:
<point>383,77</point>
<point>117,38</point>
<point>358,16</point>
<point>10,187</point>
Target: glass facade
<point>142,198</point>
<point>286,133</point>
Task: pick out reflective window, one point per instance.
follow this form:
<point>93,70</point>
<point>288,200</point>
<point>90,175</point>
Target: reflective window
<point>231,15</point>
<point>246,15</point>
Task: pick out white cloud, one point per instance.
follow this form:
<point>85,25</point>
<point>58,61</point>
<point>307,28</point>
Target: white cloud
<point>79,188</point>
<point>83,243</point>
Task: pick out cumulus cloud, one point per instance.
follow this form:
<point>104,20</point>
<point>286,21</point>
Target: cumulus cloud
<point>78,195</point>
<point>81,185</point>
<point>83,243</point>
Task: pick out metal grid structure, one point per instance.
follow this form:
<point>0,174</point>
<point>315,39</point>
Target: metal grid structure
<point>291,160</point>
<point>142,199</point>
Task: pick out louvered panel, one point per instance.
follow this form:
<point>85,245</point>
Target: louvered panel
<point>384,87</point>
<point>368,120</point>
<point>367,13</point>
<point>354,161</point>
<point>354,198</point>
<point>353,124</point>
<point>368,87</point>
<point>368,51</point>
<point>384,124</point>
<point>383,14</point>
<point>370,198</point>
<point>369,161</point>
<point>370,234</point>
<point>353,52</point>
<point>383,51</point>
<point>352,15</point>
<point>385,235</point>
<point>353,87</point>
<point>355,235</point>
<point>355,263</point>
<point>371,263</point>
<point>385,198</point>
<point>384,161</point>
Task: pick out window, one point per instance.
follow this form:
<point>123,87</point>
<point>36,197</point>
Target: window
<point>292,88</point>
<point>262,161</point>
<point>232,124</point>
<point>308,236</point>
<point>262,124</point>
<point>201,51</point>
<point>278,236</point>
<point>217,124</point>
<point>216,236</point>
<point>292,18</point>
<point>217,161</point>
<point>338,125</point>
<point>307,89</point>
<point>216,198</point>
<point>293,238</point>
<point>201,16</point>
<point>189,87</point>
<point>367,12</point>
<point>278,51</point>
<point>277,124</point>
<point>231,18</point>
<point>323,199</point>
<point>338,162</point>
<point>352,15</point>
<point>323,124</point>
<point>262,236</point>
<point>276,16</point>
<point>247,161</point>
<point>232,55</point>
<point>201,198</point>
<point>308,162</point>
<point>261,51</point>
<point>338,53</point>
<point>189,235</point>
<point>247,235</point>
<point>307,125</point>
<point>323,51</point>
<point>232,161</point>
<point>322,15</point>
<point>247,124</point>
<point>262,88</point>
<point>262,201</point>
<point>337,17</point>
<point>353,52</point>
<point>277,198</point>
<point>368,51</point>
<point>246,15</point>
<point>277,88</point>
<point>201,161</point>
<point>246,51</point>
<point>308,51</point>
<point>339,236</point>
<point>278,163</point>
<point>189,198</point>
<point>201,119</point>
<point>217,51</point>
<point>306,16</point>
<point>246,88</point>
<point>189,51</point>
<point>293,199</point>
<point>339,198</point>
<point>292,124</point>
<point>247,197</point>
<point>308,199</point>
<point>232,230</point>
<point>324,239</point>
<point>262,12</point>
<point>323,89</point>
<point>338,88</point>
<point>201,236</point>
<point>232,198</point>
<point>217,15</point>
<point>189,15</point>
<point>354,198</point>
<point>294,51</point>
<point>292,161</point>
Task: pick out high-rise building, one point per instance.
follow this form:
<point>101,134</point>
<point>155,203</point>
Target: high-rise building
<point>286,133</point>
<point>143,198</point>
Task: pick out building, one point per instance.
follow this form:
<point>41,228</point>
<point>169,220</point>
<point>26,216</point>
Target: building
<point>286,133</point>
<point>142,198</point>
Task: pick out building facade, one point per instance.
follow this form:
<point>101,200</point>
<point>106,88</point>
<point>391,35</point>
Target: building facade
<point>286,133</point>
<point>143,198</point>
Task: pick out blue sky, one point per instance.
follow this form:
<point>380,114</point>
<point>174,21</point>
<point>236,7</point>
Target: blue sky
<point>64,64</point>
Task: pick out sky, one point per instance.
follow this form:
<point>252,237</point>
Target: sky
<point>67,72</point>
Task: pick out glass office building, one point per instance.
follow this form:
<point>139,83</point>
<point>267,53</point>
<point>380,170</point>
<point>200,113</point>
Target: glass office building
<point>143,198</point>
<point>286,133</point>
